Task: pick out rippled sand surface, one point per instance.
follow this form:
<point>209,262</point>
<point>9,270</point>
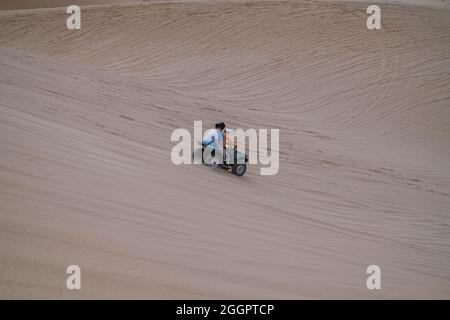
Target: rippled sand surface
<point>86,177</point>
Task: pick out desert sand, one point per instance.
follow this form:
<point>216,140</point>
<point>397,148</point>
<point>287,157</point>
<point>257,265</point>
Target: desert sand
<point>86,177</point>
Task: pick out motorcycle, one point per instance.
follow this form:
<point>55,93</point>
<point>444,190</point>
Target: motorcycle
<point>233,161</point>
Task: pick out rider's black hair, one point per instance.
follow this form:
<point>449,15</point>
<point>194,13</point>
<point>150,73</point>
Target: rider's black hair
<point>220,125</point>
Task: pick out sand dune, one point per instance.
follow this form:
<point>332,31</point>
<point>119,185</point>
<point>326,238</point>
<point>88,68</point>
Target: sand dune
<point>86,176</point>
<point>32,4</point>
